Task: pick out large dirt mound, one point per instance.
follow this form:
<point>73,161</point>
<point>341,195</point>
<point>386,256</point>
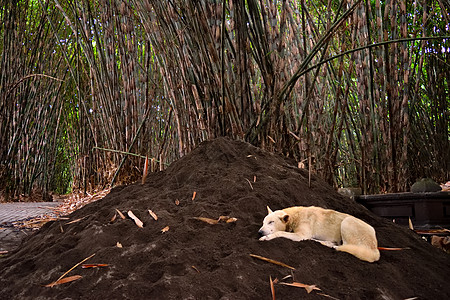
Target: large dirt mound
<point>196,260</point>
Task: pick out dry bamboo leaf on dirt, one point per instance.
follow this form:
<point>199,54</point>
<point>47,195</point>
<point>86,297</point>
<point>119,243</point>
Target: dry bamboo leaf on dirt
<point>251,186</point>
<point>58,281</point>
<point>64,280</point>
<point>432,231</point>
<point>307,287</point>
<point>75,221</point>
<point>392,249</point>
<point>195,268</point>
<point>120,214</point>
<point>154,216</point>
<point>410,224</point>
<point>272,288</point>
<point>165,229</point>
<point>227,219</point>
<point>119,245</point>
<point>272,261</point>
<point>177,202</point>
<point>3,252</point>
<point>193,195</point>
<point>89,266</point>
<point>113,218</point>
<point>207,220</point>
<point>135,219</point>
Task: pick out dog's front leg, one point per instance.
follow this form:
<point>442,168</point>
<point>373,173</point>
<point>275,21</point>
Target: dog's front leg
<point>288,235</point>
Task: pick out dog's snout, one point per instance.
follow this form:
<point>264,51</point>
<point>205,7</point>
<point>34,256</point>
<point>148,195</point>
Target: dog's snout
<point>261,233</point>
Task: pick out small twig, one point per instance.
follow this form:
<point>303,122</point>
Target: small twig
<point>120,152</point>
<point>62,276</point>
<point>75,221</point>
<point>272,261</point>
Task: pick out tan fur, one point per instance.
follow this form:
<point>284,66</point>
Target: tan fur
<point>334,229</point>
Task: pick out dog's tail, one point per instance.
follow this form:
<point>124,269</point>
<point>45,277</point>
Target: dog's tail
<point>361,252</point>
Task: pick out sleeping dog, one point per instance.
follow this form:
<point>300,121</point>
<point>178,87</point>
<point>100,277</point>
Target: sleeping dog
<point>331,228</point>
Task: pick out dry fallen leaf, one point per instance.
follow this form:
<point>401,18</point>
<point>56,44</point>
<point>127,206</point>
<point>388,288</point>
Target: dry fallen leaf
<point>75,221</point>
<point>308,288</point>
<point>227,219</point>
<point>207,220</point>
<point>154,216</point>
<point>120,214</point>
<point>135,219</point>
<point>251,186</point>
<point>88,266</point>
<point>272,261</point>
<point>286,277</point>
<point>410,224</point>
<point>63,280</point>
<point>254,178</point>
<point>193,195</point>
<point>177,202</point>
<point>432,231</point>
<point>272,288</point>
<point>60,279</point>
<point>119,245</point>
<point>113,218</point>
<point>165,229</point>
<point>195,268</point>
<point>392,249</point>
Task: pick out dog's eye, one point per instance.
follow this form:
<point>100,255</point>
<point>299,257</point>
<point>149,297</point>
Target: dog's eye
<point>271,222</point>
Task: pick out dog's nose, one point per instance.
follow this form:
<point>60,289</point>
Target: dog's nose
<point>260,233</point>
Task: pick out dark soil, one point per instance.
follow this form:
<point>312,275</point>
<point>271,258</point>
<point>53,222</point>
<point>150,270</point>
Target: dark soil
<point>196,260</point>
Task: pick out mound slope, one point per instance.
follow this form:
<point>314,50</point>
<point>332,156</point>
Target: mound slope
<point>196,260</point>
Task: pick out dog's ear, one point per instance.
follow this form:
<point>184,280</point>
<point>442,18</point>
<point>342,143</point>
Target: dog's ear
<point>269,210</point>
<point>284,218</point>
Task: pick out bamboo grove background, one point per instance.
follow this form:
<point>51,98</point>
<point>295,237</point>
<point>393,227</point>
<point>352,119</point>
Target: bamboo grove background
<point>356,90</point>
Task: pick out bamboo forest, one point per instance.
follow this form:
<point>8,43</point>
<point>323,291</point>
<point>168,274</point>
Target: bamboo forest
<point>355,91</point>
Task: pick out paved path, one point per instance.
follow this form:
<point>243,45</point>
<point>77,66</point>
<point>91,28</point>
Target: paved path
<point>11,237</point>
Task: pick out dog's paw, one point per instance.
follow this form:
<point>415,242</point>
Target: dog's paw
<point>264,238</point>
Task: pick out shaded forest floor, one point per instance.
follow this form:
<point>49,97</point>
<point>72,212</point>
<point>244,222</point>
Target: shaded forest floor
<point>179,256</point>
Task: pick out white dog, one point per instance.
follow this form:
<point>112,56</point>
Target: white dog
<point>334,229</point>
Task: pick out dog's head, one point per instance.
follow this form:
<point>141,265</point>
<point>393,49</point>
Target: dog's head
<point>273,222</point>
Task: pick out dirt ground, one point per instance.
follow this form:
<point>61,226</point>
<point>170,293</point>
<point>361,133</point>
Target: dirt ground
<point>196,260</point>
